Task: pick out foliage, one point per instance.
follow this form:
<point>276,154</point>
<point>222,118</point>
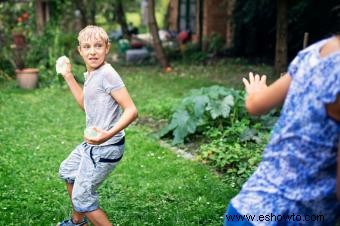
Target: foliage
<point>22,26</point>
<point>215,43</point>
<point>192,53</point>
<point>255,26</point>
<point>233,140</point>
<point>15,18</point>
<point>236,150</point>
<point>51,45</point>
<point>200,108</point>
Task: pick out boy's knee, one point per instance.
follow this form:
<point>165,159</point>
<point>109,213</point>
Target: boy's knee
<point>65,174</point>
<point>83,202</point>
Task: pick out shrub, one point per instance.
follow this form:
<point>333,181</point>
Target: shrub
<point>205,106</point>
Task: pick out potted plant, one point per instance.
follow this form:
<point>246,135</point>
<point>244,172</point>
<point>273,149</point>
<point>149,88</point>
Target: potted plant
<point>20,31</point>
<point>24,58</point>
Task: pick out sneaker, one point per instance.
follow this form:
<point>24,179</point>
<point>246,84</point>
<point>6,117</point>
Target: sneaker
<point>69,222</point>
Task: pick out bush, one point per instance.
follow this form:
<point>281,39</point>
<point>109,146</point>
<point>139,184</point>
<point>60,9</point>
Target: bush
<point>203,107</point>
<point>235,139</point>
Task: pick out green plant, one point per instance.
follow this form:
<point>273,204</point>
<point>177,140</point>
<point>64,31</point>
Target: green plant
<point>215,43</point>
<point>235,151</point>
<point>52,44</point>
<point>193,53</point>
<point>211,105</point>
<point>22,25</point>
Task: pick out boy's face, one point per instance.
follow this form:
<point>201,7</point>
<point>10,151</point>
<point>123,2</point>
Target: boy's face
<point>93,52</point>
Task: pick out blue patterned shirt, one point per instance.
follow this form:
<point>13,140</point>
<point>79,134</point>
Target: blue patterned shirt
<point>298,170</point>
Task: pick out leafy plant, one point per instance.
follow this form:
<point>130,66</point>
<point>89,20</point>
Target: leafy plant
<point>236,150</point>
<point>211,105</point>
<point>215,43</point>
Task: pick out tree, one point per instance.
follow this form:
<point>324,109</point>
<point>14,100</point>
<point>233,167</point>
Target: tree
<point>120,17</point>
<point>281,37</point>
<point>153,27</point>
<point>87,10</point>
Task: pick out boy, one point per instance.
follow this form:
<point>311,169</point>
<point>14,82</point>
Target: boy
<point>101,98</point>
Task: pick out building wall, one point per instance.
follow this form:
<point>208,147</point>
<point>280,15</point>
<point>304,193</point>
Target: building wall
<point>173,15</point>
<point>214,17</point>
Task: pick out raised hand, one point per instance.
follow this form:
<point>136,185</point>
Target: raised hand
<point>255,83</point>
<point>63,66</point>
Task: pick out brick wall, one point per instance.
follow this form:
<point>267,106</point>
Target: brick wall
<point>217,18</point>
<point>173,14</point>
<point>214,17</point>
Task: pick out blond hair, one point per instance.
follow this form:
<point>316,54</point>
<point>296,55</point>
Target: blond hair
<point>92,32</point>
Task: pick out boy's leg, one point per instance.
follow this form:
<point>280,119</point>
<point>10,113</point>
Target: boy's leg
<point>98,218</point>
<point>76,216</point>
<point>96,165</point>
<point>68,171</point>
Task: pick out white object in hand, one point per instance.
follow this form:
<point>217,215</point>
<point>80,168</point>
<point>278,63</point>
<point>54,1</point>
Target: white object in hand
<point>61,64</point>
<point>90,132</point>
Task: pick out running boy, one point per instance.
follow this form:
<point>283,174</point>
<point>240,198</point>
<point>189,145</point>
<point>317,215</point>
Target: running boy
<point>102,97</point>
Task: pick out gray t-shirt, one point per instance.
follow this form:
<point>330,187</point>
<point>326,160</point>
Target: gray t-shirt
<point>102,110</point>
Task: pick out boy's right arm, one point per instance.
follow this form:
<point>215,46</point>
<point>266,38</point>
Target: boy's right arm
<point>262,98</point>
<point>76,89</point>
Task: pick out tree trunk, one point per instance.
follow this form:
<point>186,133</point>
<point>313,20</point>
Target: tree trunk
<point>83,17</point>
<point>230,27</point>
<point>39,14</point>
<point>154,32</point>
<point>121,19</point>
<point>93,8</point>
<point>87,10</point>
<point>281,38</point>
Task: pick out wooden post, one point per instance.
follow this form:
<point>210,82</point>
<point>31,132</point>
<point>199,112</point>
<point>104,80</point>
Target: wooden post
<point>305,39</point>
<point>281,37</point>
<point>39,14</point>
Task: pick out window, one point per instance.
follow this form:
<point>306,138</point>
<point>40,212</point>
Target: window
<point>187,15</point>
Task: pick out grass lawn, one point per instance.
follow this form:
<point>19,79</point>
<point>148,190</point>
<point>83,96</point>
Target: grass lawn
<point>151,186</point>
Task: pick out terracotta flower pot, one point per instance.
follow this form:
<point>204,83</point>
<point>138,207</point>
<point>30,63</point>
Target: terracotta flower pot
<point>27,78</point>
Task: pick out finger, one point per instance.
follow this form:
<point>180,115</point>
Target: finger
<point>97,129</point>
<point>257,78</point>
<point>245,82</point>
<point>264,79</point>
<point>251,77</point>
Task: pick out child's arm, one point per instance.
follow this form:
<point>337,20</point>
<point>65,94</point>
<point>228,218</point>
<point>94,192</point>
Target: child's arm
<point>129,115</point>
<point>76,89</point>
<point>337,191</point>
<point>262,98</point>
<point>333,110</point>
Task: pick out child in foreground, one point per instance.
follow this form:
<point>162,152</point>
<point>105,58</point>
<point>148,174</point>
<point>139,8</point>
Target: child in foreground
<point>296,177</point>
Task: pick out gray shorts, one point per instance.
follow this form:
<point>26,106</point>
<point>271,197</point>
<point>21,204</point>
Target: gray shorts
<point>86,167</point>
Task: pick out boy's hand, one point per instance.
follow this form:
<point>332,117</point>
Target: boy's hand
<point>64,67</point>
<point>100,138</point>
<point>255,83</point>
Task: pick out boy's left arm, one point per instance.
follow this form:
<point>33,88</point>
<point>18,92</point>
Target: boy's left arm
<point>130,113</point>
